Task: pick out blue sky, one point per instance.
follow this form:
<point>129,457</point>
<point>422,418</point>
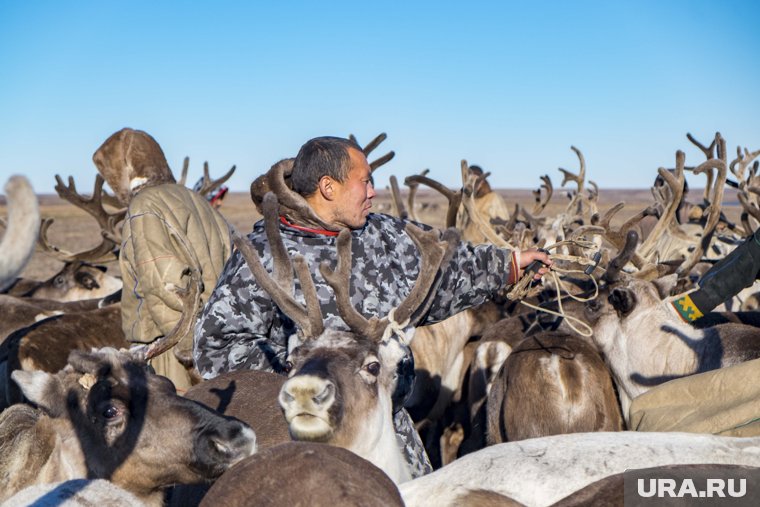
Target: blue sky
<point>507,85</point>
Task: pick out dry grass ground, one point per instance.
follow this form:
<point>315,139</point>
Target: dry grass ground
<point>74,230</point>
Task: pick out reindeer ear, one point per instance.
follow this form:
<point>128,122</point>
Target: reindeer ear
<point>41,388</point>
<point>86,280</point>
<point>666,284</point>
<point>622,300</point>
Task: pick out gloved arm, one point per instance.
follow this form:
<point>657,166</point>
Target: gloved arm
<point>728,277</point>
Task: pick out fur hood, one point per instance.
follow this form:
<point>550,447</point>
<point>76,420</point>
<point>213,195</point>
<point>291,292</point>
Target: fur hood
<point>292,205</point>
<point>130,160</point>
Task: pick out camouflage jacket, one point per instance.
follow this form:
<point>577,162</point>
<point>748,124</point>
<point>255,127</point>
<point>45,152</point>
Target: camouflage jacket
<point>240,327</point>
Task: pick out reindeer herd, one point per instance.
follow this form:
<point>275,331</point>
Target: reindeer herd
<point>517,404</point>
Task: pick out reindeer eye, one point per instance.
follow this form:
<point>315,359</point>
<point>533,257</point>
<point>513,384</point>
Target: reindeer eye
<point>288,366</point>
<point>110,412</point>
<point>373,368</point>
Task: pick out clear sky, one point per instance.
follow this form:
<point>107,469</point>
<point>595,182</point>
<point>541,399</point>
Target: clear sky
<point>506,85</point>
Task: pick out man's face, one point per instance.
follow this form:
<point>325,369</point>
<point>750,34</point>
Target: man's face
<point>353,197</point>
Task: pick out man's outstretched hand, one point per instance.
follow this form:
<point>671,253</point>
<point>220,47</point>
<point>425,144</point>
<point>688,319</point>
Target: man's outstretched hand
<point>528,256</point>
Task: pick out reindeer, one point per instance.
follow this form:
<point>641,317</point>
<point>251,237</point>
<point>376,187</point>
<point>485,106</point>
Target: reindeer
<point>541,471</point>
<point>45,345</point>
<point>249,396</point>
<point>570,378</point>
<point>439,359</point>
<point>21,312</point>
<point>634,321</point>
<point>76,281</point>
<point>106,416</point>
<point>340,382</point>
<point>18,242</point>
<point>298,473</point>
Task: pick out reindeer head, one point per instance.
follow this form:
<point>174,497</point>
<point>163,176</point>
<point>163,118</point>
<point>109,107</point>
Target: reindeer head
<point>131,425</point>
<point>625,298</point>
<point>336,382</point>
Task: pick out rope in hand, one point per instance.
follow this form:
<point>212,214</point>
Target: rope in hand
<point>523,289</point>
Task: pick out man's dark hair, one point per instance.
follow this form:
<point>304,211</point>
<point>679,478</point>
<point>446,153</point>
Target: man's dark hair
<point>321,156</point>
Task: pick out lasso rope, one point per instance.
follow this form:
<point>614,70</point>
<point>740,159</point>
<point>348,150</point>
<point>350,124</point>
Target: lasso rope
<point>522,288</point>
<point>394,327</point>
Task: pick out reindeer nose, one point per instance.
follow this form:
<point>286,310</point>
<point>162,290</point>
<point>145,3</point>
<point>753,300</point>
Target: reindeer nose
<point>307,391</point>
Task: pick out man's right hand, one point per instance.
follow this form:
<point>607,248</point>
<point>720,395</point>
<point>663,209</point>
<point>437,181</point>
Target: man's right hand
<point>528,256</point>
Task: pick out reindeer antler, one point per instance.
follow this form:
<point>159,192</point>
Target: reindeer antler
<point>737,167</point>
<point>210,185</point>
<point>308,319</point>
<point>625,254</point>
<point>190,296</point>
<point>548,190</point>
<point>579,178</point>
<point>370,147</point>
<point>675,183</point>
<point>709,151</point>
<point>93,205</point>
<point>433,253</point>
<point>398,203</point>
<point>713,210</point>
<point>454,198</point>
<point>617,238</point>
<point>185,166</point>
<point>413,186</point>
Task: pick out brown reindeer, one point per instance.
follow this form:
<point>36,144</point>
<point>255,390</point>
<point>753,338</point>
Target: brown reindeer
<point>45,345</point>
<point>303,473</point>
<point>248,395</point>
<point>20,312</point>
<point>42,346</point>
<point>551,383</point>
<point>106,416</point>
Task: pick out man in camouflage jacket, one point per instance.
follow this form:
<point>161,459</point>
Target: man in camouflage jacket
<point>241,327</point>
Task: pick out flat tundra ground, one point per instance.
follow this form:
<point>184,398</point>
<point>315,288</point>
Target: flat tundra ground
<point>74,230</point>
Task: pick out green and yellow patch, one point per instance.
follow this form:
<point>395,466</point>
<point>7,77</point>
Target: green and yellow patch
<point>687,309</point>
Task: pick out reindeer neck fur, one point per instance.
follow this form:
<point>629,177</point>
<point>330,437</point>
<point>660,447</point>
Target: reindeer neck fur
<point>377,442</point>
<point>46,445</point>
<point>66,461</point>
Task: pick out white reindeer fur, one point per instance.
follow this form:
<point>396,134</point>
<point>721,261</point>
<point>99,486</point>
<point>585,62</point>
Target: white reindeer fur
<point>541,471</point>
<point>377,442</point>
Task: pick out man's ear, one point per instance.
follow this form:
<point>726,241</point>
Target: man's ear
<point>327,187</point>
